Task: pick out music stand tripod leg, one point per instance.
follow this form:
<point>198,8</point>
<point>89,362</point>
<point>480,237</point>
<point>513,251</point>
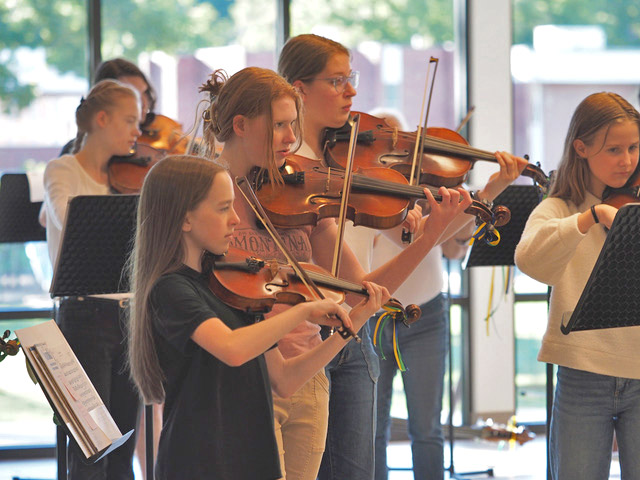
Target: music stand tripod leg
<point>61,452</point>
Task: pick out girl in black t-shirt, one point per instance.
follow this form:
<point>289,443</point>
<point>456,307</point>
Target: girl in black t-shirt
<point>206,360</point>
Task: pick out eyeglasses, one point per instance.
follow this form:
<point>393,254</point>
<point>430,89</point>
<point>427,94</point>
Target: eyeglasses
<point>340,82</point>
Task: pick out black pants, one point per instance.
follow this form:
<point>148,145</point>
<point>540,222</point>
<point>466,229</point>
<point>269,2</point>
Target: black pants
<point>96,330</point>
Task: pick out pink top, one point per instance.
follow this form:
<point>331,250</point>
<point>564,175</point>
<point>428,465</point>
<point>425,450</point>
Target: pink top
<point>249,237</point>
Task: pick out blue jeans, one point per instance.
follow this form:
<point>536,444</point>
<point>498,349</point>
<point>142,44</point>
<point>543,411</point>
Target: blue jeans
<point>587,409</point>
<point>424,349</point>
<point>352,374</point>
<point>95,331</point>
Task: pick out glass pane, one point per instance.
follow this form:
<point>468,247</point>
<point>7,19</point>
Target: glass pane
<point>398,401</point>
<point>189,40</point>
<point>455,313</point>
<point>25,276</point>
<point>530,325</point>
<point>25,415</point>
<point>453,277</point>
<point>525,284</point>
<point>562,52</point>
<point>42,75</point>
<point>391,50</point>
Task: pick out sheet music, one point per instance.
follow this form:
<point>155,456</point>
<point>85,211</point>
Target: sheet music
<point>68,387</point>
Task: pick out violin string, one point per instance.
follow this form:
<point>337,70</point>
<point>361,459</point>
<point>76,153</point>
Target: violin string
<point>448,146</point>
<point>385,186</point>
<point>330,281</point>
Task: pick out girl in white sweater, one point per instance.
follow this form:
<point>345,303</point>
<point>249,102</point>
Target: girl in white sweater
<point>598,383</point>
<point>93,325</point>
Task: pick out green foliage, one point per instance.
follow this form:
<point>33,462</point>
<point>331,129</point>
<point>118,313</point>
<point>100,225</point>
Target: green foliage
<point>620,19</point>
<point>129,27</point>
<point>14,260</point>
<point>13,95</point>
<point>391,21</point>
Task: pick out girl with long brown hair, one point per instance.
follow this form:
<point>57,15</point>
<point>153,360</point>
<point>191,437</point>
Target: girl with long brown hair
<point>598,380</point>
<point>212,365</point>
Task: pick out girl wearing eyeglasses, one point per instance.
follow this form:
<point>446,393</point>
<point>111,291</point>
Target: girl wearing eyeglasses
<point>321,71</point>
<point>255,113</point>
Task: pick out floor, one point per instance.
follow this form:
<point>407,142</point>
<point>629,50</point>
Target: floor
<point>518,462</point>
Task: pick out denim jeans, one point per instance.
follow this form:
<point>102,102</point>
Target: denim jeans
<point>587,409</point>
<point>352,374</point>
<point>95,331</point>
<point>424,349</point>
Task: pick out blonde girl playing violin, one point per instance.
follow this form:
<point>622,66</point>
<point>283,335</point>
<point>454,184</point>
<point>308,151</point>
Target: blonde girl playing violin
<point>256,114</point>
<point>598,380</point>
<point>107,122</point>
<point>212,365</point>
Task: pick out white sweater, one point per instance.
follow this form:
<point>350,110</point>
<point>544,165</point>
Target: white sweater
<point>64,178</point>
<point>553,251</point>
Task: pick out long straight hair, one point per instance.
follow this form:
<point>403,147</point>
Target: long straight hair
<point>173,187</point>
<point>251,93</point>
<point>596,112</point>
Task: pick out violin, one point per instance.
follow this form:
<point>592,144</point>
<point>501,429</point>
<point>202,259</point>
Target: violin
<point>446,161</point>
<point>162,137</point>
<point>253,285</point>
<point>380,197</point>
<point>8,347</point>
<point>630,193</point>
<point>499,433</point>
<point>165,135</point>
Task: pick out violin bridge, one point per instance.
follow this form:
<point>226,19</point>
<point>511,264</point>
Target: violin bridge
<point>273,269</point>
<point>327,184</point>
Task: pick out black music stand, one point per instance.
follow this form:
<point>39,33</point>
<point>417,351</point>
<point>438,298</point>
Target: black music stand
<point>606,301</point>
<point>97,239</point>
<point>521,200</point>
<point>18,214</point>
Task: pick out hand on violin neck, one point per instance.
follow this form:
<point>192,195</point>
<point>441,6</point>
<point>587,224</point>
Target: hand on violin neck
<point>377,297</point>
<point>511,167</point>
<point>453,203</point>
<point>327,312</point>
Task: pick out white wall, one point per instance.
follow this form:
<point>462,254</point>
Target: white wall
<point>491,128</point>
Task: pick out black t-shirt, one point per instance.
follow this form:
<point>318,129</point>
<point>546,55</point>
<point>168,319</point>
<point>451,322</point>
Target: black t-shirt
<point>218,420</point>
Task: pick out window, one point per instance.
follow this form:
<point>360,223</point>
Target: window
<point>561,54</point>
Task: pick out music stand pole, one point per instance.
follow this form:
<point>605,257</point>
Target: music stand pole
<point>451,469</point>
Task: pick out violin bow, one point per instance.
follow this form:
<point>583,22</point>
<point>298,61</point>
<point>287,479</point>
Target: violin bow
<point>465,120</point>
<point>416,164</point>
<point>250,196</point>
<point>346,189</point>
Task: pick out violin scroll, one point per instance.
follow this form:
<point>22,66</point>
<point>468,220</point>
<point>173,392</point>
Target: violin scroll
<point>412,313</point>
<point>8,347</point>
